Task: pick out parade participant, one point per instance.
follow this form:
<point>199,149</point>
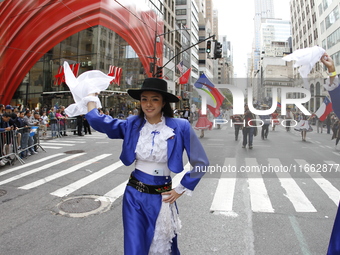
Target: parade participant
<point>238,123</point>
<point>266,123</point>
<point>336,131</point>
<point>186,113</point>
<point>332,85</point>
<point>304,126</point>
<point>274,120</point>
<point>203,123</point>
<point>249,128</point>
<point>289,116</point>
<point>155,142</point>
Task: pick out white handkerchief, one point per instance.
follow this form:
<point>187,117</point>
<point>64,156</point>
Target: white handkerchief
<point>88,82</point>
<point>305,59</point>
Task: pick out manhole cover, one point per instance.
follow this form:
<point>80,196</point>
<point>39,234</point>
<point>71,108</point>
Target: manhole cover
<point>2,192</point>
<point>83,206</point>
<point>80,205</point>
<point>74,152</point>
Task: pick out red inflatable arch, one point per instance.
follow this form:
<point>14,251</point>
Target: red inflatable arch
<point>32,27</point>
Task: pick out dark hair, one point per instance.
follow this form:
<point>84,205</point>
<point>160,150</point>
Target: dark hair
<point>5,114</point>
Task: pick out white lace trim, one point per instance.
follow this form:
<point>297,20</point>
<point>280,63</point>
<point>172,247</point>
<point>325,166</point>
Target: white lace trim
<point>334,85</point>
<point>152,144</point>
<point>168,225</point>
<point>180,189</point>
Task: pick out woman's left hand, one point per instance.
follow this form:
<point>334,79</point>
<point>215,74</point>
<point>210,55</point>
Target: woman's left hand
<point>172,196</point>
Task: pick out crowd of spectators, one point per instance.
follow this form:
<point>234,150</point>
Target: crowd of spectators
<point>19,130</point>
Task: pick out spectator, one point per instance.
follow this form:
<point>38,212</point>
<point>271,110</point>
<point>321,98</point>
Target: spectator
<point>43,124</point>
<point>87,127</point>
<point>31,121</point>
<point>5,137</point>
<point>2,109</point>
<point>53,122</point>
<point>25,134</point>
<point>120,115</point>
<point>61,122</point>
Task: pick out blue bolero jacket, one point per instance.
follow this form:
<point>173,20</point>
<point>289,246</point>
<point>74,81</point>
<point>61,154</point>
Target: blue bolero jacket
<point>184,138</point>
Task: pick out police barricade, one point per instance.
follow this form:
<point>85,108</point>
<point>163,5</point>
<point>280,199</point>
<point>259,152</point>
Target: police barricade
<point>59,128</point>
<point>71,124</point>
<point>18,144</point>
<point>8,147</point>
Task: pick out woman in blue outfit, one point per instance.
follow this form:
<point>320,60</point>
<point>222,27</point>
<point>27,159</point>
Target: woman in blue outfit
<point>155,142</point>
<point>333,88</point>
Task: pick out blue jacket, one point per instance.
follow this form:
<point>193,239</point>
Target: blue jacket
<point>184,138</point>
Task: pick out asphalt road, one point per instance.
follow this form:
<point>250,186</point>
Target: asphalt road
<point>278,198</point>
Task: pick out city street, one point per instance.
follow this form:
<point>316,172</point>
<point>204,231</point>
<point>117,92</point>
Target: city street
<point>280,197</point>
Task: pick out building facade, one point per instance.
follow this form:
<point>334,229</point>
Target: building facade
<point>316,22</point>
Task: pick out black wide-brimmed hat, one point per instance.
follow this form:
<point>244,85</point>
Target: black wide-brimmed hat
<point>154,84</point>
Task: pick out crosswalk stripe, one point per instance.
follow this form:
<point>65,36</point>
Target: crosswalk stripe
<point>259,198</point>
<point>115,193</point>
<point>52,147</point>
<point>38,161</point>
<point>324,184</point>
<point>86,180</point>
<point>62,173</point>
<point>68,141</point>
<point>293,191</point>
<point>16,177</point>
<point>60,144</point>
<point>224,194</point>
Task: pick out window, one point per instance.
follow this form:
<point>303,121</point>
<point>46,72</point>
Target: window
<point>320,9</point>
<point>333,38</point>
<point>181,12</point>
<point>322,27</point>
<point>332,17</point>
<point>181,2</point>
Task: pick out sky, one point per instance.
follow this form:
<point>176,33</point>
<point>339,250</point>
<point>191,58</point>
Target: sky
<point>236,21</point>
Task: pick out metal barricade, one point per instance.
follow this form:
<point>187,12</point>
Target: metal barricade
<point>9,147</point>
<point>60,128</point>
<point>71,124</point>
<point>15,144</point>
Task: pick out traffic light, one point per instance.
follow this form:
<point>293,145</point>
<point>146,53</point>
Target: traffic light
<point>208,49</point>
<point>152,67</point>
<point>159,72</point>
<point>218,50</point>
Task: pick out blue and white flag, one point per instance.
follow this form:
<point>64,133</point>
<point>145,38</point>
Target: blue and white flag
<point>33,131</point>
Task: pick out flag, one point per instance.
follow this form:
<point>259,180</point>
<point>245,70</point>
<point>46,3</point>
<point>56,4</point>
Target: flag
<point>324,110</point>
<point>60,76</point>
<point>335,95</point>
<point>334,242</point>
<point>116,73</point>
<point>180,67</point>
<point>278,103</point>
<point>214,97</point>
<point>185,77</point>
<point>33,130</point>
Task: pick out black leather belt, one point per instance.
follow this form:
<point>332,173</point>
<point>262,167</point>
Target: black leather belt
<point>150,189</point>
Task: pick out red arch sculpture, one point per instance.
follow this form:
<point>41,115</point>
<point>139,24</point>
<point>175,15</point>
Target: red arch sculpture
<point>32,27</point>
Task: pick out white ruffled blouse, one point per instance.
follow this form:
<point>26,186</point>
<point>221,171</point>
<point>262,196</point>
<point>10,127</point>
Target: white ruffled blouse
<point>152,142</point>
